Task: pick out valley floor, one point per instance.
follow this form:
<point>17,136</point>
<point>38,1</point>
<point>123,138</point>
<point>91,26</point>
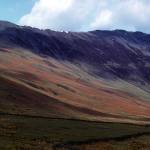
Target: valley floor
<point>18,132</point>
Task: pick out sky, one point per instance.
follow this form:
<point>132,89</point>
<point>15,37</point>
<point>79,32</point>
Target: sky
<point>78,15</point>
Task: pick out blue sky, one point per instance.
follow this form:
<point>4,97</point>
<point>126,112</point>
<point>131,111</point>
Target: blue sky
<point>78,15</point>
<point>13,10</point>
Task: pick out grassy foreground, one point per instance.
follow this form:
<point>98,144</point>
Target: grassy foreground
<point>36,133</point>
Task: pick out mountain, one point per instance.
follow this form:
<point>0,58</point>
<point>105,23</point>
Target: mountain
<point>95,75</point>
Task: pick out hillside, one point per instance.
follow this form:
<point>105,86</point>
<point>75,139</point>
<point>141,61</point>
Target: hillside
<point>97,75</point>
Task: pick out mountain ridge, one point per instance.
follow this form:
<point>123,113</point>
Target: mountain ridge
<point>8,23</point>
<point>95,73</point>
<point>113,47</point>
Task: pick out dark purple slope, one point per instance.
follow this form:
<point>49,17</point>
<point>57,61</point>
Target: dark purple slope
<point>109,54</point>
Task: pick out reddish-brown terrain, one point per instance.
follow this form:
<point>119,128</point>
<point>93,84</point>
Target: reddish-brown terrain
<point>94,76</point>
<point>34,85</point>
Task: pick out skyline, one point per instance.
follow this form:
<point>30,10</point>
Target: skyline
<point>75,15</point>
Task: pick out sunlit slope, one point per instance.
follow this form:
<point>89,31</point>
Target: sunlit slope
<point>34,85</point>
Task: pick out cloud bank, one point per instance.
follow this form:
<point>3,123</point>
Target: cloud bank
<point>84,15</point>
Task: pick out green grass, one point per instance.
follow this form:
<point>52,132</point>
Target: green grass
<point>31,132</point>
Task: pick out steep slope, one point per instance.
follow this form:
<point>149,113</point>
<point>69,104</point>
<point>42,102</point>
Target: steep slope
<point>98,75</point>
<point>108,54</point>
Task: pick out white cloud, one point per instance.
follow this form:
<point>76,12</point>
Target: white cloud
<point>82,15</point>
<point>103,19</point>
